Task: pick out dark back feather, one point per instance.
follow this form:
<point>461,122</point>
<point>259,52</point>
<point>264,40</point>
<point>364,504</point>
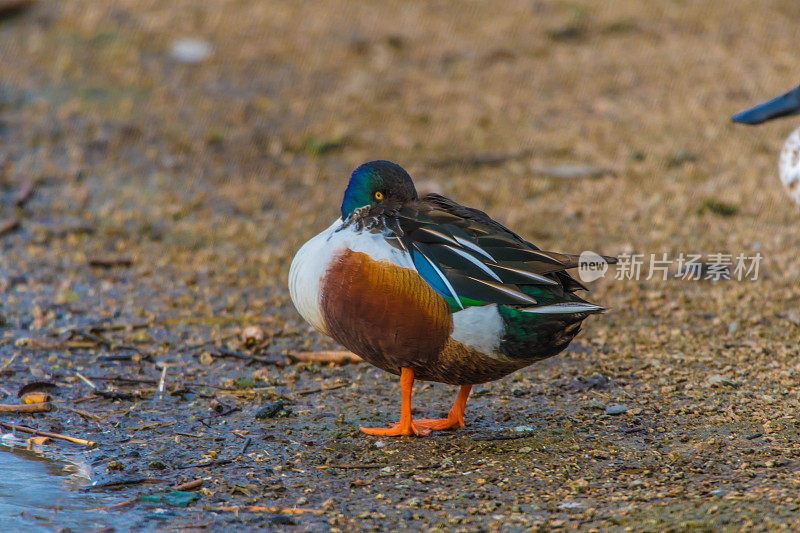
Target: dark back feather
<point>472,259</point>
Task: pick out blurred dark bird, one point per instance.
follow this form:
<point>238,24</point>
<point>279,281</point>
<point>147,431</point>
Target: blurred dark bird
<point>789,161</point>
<point>428,289</point>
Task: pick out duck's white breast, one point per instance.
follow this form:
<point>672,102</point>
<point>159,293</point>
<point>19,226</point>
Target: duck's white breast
<point>789,166</point>
<point>311,263</point>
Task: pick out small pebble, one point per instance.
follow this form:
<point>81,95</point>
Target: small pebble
<point>720,380</point>
<point>270,410</point>
<point>253,335</point>
<point>283,520</point>
<point>190,50</point>
<point>616,409</point>
<point>571,505</point>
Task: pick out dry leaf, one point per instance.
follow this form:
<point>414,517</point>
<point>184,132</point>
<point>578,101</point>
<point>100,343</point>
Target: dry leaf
<point>36,397</point>
<point>38,441</point>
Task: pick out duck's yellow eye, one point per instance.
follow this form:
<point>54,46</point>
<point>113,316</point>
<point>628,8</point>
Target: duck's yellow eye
<point>379,195</point>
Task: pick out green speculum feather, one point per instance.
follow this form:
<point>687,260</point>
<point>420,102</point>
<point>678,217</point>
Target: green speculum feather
<point>465,302</point>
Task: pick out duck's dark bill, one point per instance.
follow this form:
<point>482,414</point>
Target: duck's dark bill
<point>782,106</point>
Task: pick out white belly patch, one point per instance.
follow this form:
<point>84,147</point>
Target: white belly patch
<point>480,328</point>
<point>311,263</point>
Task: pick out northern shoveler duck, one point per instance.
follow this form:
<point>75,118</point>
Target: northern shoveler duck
<point>789,161</point>
<point>428,289</point>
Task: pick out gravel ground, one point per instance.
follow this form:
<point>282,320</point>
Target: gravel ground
<point>164,161</point>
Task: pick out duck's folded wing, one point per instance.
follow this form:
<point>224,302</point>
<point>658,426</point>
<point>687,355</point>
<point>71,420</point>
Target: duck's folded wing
<point>470,259</point>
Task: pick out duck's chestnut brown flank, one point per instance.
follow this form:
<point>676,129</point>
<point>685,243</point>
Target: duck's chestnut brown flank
<point>361,296</point>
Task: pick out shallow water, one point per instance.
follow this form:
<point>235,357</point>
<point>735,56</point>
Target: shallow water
<point>40,493</point>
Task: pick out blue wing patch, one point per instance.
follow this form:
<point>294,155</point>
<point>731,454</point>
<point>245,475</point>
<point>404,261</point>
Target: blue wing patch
<point>433,276</point>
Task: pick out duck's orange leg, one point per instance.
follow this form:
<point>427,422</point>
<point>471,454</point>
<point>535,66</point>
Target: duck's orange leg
<point>406,426</point>
<point>455,418</point>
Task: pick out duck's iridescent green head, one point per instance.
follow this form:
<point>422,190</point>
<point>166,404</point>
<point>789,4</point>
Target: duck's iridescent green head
<point>378,184</point>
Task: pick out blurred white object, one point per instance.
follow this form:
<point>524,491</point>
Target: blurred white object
<point>82,470</point>
<point>191,51</point>
<point>11,440</point>
<point>789,166</point>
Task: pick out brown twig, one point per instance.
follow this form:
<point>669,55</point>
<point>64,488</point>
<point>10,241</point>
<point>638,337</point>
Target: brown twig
<point>356,466</point>
<point>110,262</point>
<point>190,485</point>
<point>97,339</point>
<point>244,447</point>
<point>320,389</point>
<point>222,408</point>
<point>26,408</point>
<point>337,358</point>
<point>262,509</point>
<point>84,414</point>
<point>227,352</point>
<point>505,436</point>
<point>117,395</point>
<point>100,328</point>
<point>24,194</point>
<point>218,462</point>
<point>57,436</point>
<point>9,225</point>
<point>151,426</point>
<point>193,436</point>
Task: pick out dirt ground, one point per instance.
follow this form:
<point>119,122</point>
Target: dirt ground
<point>159,203</point>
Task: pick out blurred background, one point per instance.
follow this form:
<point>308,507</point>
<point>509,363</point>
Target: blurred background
<point>209,140</point>
<point>162,161</point>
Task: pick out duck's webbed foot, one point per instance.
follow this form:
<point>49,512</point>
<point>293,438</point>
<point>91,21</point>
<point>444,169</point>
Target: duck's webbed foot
<point>439,424</point>
<point>455,419</point>
<point>411,429</point>
<point>406,427</point>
